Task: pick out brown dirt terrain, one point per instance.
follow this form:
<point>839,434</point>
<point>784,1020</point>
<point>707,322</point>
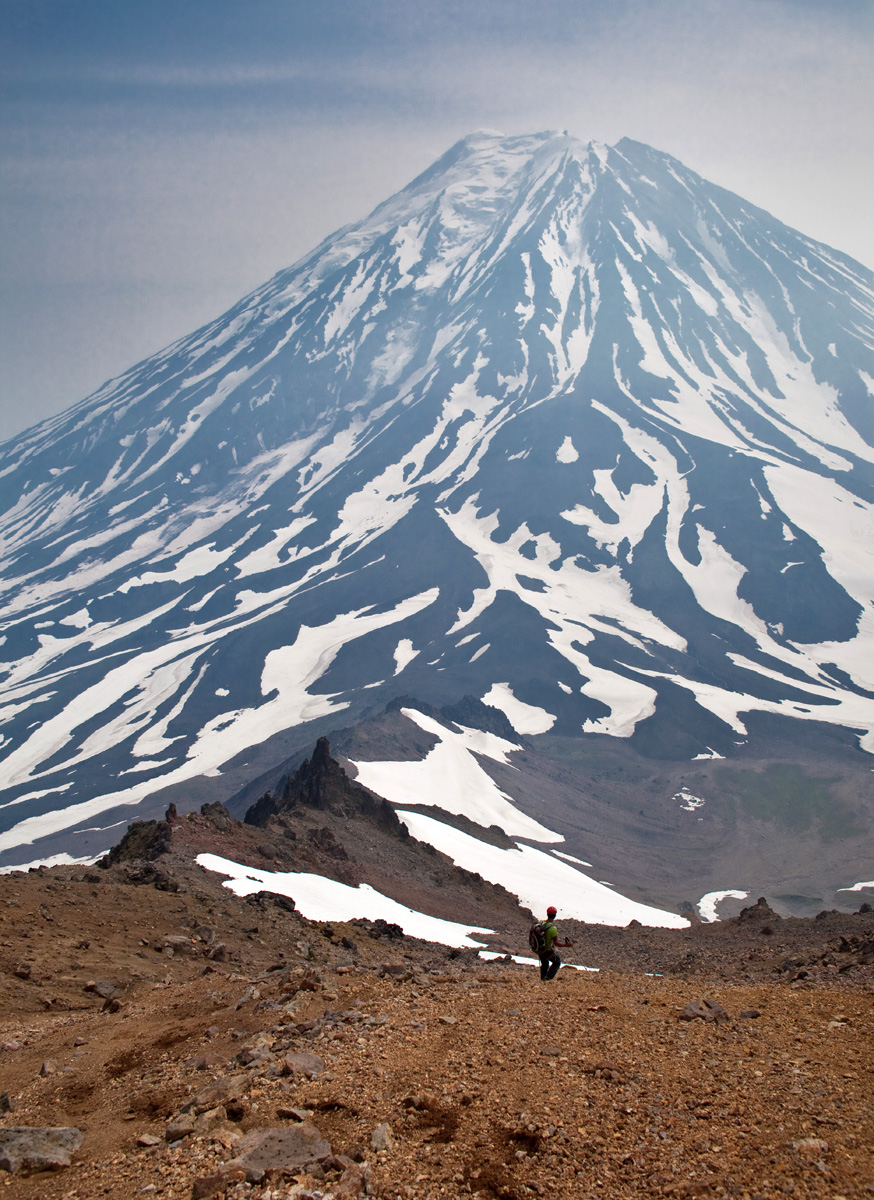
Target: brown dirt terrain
<point>491,1083</point>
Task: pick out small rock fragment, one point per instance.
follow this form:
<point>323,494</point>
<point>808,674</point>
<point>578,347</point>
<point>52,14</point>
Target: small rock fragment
<point>203,1062</point>
<point>181,1126</point>
<point>293,1114</point>
<point>301,1062</point>
<point>215,1185</point>
<point>382,1138</point>
<point>212,1119</point>
<point>810,1147</point>
<point>399,971</point>
<point>221,1092</point>
<point>177,944</point>
<point>255,1055</point>
<point>102,988</point>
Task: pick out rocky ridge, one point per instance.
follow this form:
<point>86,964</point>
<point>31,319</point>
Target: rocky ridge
<point>324,823</point>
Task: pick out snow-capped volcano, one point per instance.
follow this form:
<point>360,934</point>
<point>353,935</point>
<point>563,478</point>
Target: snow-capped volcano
<point>560,425</point>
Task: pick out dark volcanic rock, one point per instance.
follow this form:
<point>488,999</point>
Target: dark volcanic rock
<point>217,815</point>
<point>144,840</point>
<point>474,714</point>
<point>321,783</point>
<point>760,911</point>
<point>326,842</point>
<point>705,1010</point>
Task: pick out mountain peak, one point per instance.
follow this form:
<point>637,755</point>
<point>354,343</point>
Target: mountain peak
<point>559,426</point>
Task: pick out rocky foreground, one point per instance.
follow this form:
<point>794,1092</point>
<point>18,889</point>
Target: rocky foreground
<point>194,1044</point>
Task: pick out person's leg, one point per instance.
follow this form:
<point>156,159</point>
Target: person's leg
<point>544,965</point>
<point>555,963</point>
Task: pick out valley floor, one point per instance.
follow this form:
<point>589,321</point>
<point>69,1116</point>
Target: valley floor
<point>430,1073</point>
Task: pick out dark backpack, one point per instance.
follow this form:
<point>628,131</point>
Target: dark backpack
<point>537,937</point>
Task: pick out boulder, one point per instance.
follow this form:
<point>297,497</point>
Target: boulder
<point>705,1010</point>
<point>286,1149</point>
<point>37,1149</point>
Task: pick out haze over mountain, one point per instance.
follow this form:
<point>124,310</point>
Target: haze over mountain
<point>561,427</point>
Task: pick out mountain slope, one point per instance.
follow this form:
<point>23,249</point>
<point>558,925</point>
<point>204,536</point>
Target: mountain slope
<point>561,426</point>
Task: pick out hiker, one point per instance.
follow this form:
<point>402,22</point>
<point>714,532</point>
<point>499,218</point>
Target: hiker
<point>547,939</point>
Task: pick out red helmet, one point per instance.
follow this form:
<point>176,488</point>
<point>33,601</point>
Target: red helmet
<point>551,911</point>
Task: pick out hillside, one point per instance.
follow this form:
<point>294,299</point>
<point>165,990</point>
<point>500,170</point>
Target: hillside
<point>180,1030</point>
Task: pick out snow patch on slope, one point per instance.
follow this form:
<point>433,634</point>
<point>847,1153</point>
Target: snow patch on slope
<point>525,718</point>
<point>288,673</point>
<point>709,903</point>
<point>537,878</point>
<point>319,899</point>
<point>451,778</point>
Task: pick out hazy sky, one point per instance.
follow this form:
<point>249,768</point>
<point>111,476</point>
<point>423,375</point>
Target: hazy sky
<point>160,158</point>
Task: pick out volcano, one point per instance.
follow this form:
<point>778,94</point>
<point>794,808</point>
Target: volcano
<point>560,427</point>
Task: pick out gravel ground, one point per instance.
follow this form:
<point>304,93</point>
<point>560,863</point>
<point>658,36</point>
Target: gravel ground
<point>174,1029</point>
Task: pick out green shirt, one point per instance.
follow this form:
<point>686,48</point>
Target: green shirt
<point>550,932</point>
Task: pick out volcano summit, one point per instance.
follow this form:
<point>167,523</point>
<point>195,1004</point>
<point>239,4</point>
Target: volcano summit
<point>560,426</point>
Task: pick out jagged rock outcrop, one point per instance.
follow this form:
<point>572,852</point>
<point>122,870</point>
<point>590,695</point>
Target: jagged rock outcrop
<point>760,911</point>
<point>144,840</point>
<point>147,840</point>
<point>321,783</point>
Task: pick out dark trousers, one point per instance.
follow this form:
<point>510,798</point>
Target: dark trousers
<point>549,964</point>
